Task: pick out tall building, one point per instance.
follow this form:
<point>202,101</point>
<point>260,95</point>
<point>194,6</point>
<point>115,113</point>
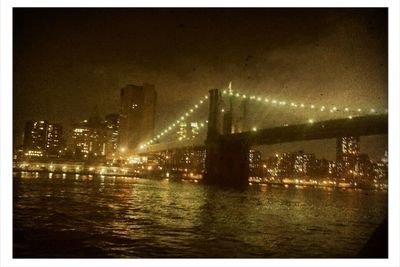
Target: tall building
<point>188,130</point>
<point>347,152</point>
<point>54,139</point>
<point>137,116</point>
<point>90,138</point>
<point>42,138</point>
<point>112,124</point>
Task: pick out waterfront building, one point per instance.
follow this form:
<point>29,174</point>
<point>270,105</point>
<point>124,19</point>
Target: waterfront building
<point>90,138</point>
<point>112,125</point>
<point>137,116</point>
<point>42,138</point>
<point>347,152</point>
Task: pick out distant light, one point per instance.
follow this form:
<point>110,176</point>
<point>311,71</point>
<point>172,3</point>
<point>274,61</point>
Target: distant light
<point>359,110</point>
<point>372,110</point>
<point>244,96</point>
<point>259,99</point>
<point>274,101</point>
<point>122,149</point>
<point>310,121</point>
<point>302,105</point>
<point>312,106</point>
<point>266,100</point>
<point>254,129</point>
<point>346,109</point>
<point>350,117</point>
<point>222,110</point>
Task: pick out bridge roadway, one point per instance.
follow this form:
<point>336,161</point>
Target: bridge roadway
<point>357,126</point>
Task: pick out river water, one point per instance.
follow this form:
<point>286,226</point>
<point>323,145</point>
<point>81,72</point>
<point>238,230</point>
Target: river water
<point>80,216</point>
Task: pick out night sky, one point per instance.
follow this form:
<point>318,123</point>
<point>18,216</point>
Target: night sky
<point>68,61</point>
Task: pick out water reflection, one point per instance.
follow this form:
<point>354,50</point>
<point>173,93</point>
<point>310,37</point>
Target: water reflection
<point>104,216</point>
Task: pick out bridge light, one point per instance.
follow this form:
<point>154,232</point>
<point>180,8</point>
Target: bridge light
<point>206,121</point>
<point>302,105</point>
<point>158,136</point>
<point>372,110</point>
<point>169,128</point>
<point>182,118</point>
<point>266,100</point>
<point>334,108</point>
<point>222,110</point>
<point>201,101</point>
<point>312,106</point>
<point>206,97</point>
<point>346,109</point>
<point>237,94</point>
<point>322,108</point>
<point>244,96</point>
<point>254,129</point>
<point>196,106</point>
<point>259,99</point>
<point>350,117</point>
<point>283,103</point>
<point>202,124</point>
<point>274,101</point>
<point>359,110</point>
<point>224,92</point>
<point>186,114</point>
<point>178,121</point>
<point>122,149</point>
<point>191,110</point>
<point>310,121</point>
<point>162,134</point>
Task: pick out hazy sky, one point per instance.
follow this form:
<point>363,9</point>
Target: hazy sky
<point>67,61</point>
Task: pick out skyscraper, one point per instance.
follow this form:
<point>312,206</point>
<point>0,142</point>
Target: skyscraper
<point>137,116</point>
<point>112,124</point>
<point>347,151</point>
<point>42,138</point>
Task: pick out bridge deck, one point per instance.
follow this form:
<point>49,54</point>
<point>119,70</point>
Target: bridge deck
<point>358,126</point>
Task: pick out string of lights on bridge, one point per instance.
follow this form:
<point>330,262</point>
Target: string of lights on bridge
<point>275,102</point>
<point>176,123</point>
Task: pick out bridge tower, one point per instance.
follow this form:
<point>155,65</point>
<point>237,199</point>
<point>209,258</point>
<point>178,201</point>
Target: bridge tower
<point>227,161</point>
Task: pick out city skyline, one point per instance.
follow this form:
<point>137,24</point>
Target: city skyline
<point>258,59</point>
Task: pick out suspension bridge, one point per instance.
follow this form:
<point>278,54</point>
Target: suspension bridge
<point>229,135</point>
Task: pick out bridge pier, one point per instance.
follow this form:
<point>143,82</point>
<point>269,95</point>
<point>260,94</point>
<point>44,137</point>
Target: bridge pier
<point>227,162</point>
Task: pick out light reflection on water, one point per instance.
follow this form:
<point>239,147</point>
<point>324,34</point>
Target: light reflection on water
<point>65,215</point>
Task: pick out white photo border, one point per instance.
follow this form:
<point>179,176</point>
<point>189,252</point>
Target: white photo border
<point>6,127</point>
